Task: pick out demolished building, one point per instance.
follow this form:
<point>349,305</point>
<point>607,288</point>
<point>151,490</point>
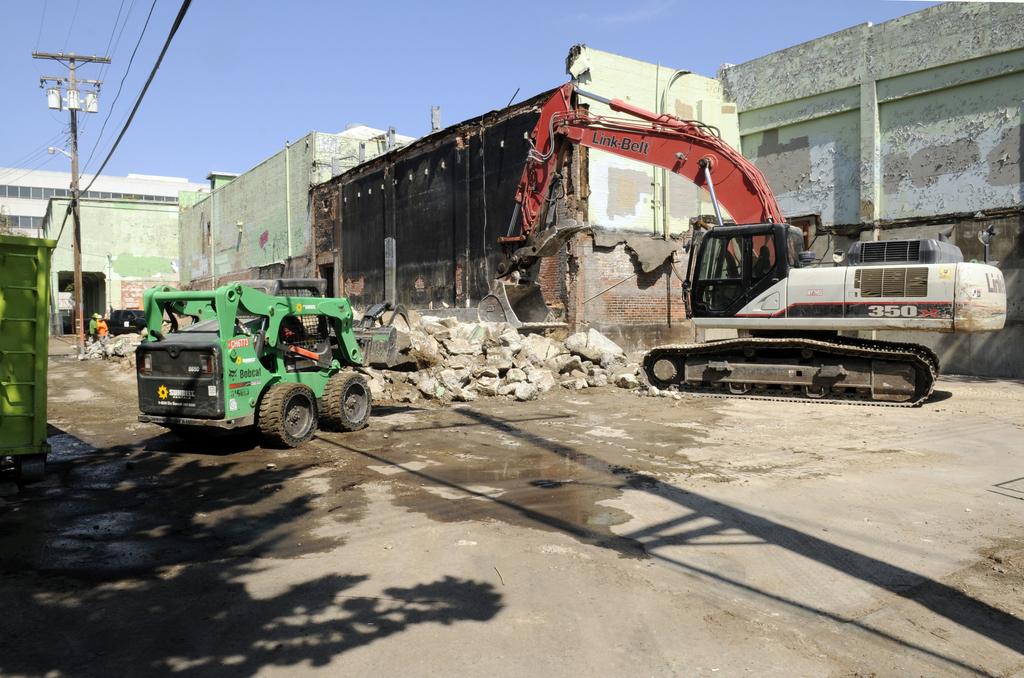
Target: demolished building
<point>420,225</point>
<point>921,136</point>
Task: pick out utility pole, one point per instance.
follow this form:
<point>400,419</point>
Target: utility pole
<point>74,99</point>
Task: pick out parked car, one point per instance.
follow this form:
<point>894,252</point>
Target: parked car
<point>126,321</point>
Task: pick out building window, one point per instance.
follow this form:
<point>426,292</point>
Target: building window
<point>37,193</point>
<point>61,192</point>
<point>808,223</point>
<point>24,192</point>
<point>47,193</point>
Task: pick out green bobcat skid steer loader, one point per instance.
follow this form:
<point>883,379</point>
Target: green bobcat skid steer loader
<point>272,354</point>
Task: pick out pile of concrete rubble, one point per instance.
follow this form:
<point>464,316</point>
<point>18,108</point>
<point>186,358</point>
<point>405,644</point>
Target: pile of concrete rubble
<point>443,359</point>
<point>448,360</point>
<point>112,347</point>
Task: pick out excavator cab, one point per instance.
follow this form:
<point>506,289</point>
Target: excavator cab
<point>731,265</point>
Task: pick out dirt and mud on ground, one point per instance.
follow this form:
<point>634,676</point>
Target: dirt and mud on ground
<point>588,532</point>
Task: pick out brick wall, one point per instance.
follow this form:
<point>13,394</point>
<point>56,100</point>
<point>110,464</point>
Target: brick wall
<point>553,282</point>
<point>131,291</point>
<point>615,291</point>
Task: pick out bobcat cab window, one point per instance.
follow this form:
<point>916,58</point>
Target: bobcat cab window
<point>737,263</point>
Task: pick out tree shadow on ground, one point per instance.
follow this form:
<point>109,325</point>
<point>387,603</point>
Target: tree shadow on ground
<point>129,562</point>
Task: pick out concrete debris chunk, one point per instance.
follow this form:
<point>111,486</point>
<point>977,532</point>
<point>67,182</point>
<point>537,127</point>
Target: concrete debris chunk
<point>626,380</point>
<point>488,386</point>
<point>451,379</point>
<point>568,363</point>
<point>526,391</point>
<point>119,347</point>
<point>539,349</point>
<point>510,338</point>
<point>430,387</point>
<point>575,383</point>
<point>514,375</point>
<point>464,395</point>
<point>425,349</point>
<point>507,389</point>
<point>461,346</point>
<point>488,371</point>
<point>543,379</point>
<point>592,345</point>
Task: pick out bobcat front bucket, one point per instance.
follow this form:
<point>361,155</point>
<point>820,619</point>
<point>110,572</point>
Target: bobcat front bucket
<point>382,344</point>
<point>518,303</point>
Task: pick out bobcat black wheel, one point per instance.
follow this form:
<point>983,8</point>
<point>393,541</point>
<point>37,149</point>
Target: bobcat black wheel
<point>288,415</point>
<point>346,402</point>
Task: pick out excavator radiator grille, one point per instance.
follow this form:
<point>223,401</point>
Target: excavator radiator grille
<point>882,251</point>
<point>892,282</point>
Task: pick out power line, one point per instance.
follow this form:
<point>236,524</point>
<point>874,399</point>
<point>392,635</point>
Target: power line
<point>72,26</point>
<point>138,102</point>
<point>113,30</point>
<point>124,24</point>
<point>42,20</point>
<point>19,170</point>
<point>31,154</point>
<point>110,109</point>
<point>47,159</point>
<point>110,41</point>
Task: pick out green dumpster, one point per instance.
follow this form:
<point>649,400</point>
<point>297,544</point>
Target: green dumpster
<point>24,336</point>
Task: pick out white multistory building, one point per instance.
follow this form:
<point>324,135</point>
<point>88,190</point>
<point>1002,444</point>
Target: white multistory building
<point>24,193</point>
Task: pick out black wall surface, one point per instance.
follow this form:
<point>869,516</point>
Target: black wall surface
<point>445,200</point>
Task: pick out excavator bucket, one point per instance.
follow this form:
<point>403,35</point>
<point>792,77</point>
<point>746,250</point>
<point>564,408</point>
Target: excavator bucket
<point>520,304</point>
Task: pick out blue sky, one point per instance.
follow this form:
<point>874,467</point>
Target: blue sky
<point>244,76</point>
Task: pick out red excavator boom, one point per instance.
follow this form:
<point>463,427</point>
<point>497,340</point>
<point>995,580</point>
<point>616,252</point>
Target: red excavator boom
<point>683,147</point>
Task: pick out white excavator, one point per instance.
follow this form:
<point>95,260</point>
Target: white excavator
<point>753,276</point>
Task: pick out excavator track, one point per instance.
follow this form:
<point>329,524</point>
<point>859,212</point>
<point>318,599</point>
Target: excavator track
<point>843,370</point>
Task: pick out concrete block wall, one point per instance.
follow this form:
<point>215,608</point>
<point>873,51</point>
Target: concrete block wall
<point>245,224</point>
<point>914,117</point>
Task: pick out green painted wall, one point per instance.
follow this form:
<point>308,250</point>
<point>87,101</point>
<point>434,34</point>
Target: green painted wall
<point>132,245</point>
<point>262,216</point>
